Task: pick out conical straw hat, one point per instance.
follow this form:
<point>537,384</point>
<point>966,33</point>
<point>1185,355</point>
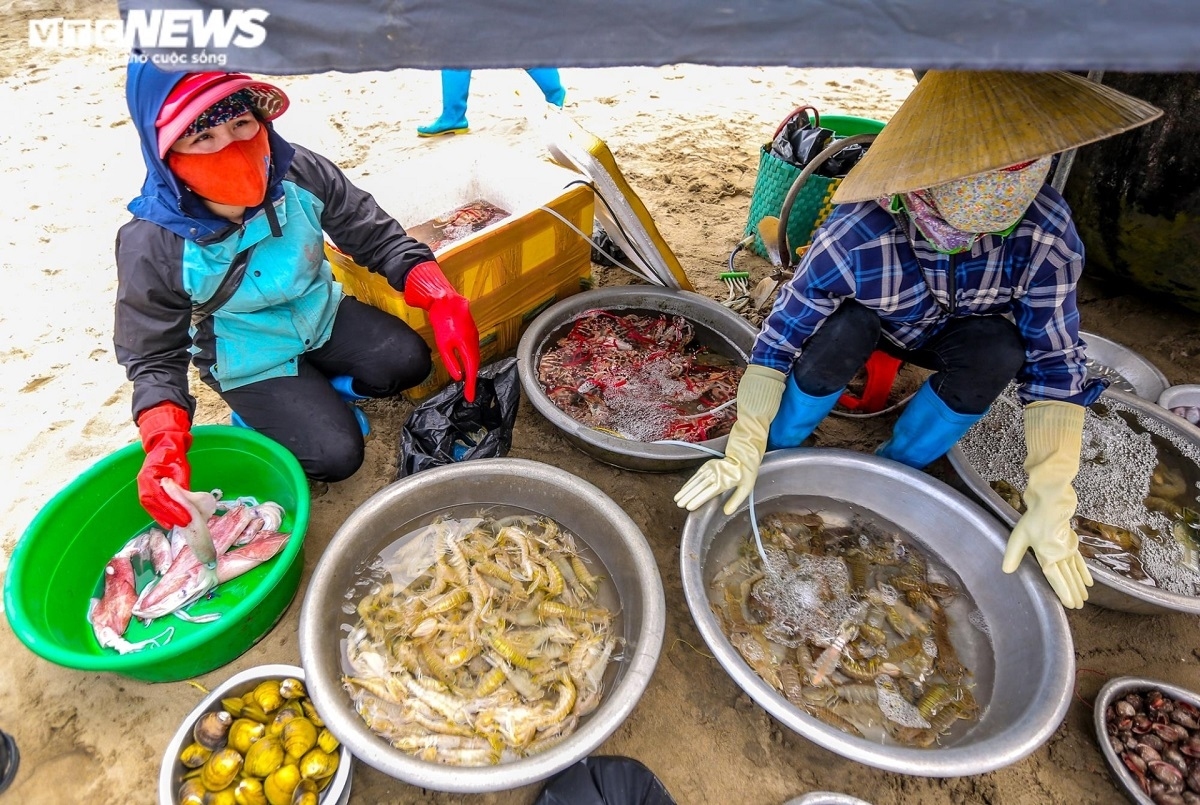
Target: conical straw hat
<point>958,123</point>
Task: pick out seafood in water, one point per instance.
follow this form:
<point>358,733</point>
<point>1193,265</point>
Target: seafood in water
<point>641,377</point>
<point>237,539</point>
<point>865,622</point>
<point>495,647</point>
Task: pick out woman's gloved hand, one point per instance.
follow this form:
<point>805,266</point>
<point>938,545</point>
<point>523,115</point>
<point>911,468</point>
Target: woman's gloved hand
<point>454,330</point>
<point>166,437</point>
<point>1053,439</point>
<point>759,393</point>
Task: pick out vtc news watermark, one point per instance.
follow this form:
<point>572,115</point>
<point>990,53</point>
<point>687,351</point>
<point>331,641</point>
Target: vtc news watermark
<point>190,30</point>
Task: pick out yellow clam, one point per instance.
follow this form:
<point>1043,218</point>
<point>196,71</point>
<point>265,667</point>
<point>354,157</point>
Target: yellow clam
<point>310,711</point>
<point>267,695</point>
<point>194,755</point>
<point>233,706</point>
<point>318,764</point>
<point>211,729</point>
<point>191,793</point>
<point>306,793</point>
<point>244,732</point>
<point>299,735</point>
<point>292,688</point>
<point>326,741</point>
<point>280,785</point>
<point>249,791</point>
<point>256,713</point>
<point>283,715</point>
<point>265,756</point>
<point>220,769</point>
<point>225,796</point>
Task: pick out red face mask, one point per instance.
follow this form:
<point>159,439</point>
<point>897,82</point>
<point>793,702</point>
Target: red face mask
<point>235,175</point>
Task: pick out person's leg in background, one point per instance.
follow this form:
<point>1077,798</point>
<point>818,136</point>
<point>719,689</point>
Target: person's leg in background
<point>369,354</point>
<point>973,358</point>
<point>456,87</point>
<point>549,83</point>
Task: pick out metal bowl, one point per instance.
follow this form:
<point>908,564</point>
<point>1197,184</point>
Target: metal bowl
<point>1133,373</point>
<point>572,502</point>
<point>1111,590</point>
<point>716,327</point>
<point>1112,690</point>
<point>1187,394</point>
<point>826,798</point>
<point>336,793</point>
<point>1033,672</point>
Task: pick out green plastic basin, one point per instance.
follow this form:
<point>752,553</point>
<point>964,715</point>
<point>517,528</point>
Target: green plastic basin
<point>58,563</point>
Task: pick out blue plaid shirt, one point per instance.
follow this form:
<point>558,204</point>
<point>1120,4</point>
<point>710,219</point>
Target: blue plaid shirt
<point>877,258</point>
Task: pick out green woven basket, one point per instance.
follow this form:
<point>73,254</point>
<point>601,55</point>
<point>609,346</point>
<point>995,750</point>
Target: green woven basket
<point>813,202</point>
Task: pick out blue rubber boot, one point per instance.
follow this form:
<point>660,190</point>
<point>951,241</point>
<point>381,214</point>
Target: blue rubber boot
<point>456,86</point>
<point>926,430</point>
<point>237,421</point>
<point>798,416</point>
<point>344,386</point>
<point>549,83</point>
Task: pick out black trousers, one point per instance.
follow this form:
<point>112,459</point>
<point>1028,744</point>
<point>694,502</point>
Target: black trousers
<point>973,358</point>
<point>304,413</point>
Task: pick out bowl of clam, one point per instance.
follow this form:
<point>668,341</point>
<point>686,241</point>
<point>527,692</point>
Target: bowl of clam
<point>1149,732</point>
<point>256,738</point>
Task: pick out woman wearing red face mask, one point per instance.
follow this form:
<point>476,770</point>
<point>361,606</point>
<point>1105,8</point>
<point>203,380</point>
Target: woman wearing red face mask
<point>223,266</point>
<point>947,250</point>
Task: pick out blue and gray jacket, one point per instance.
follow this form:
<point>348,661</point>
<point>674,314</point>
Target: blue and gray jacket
<point>174,253</point>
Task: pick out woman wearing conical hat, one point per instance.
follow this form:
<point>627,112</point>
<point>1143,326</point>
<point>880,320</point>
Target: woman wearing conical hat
<point>948,250</point>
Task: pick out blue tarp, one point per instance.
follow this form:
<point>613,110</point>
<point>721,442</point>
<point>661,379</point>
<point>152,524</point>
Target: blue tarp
<point>306,36</point>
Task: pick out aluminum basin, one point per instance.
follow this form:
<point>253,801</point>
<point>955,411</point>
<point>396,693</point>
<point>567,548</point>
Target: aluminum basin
<point>172,770</point>
<point>1143,378</point>
<point>1117,688</point>
<point>1111,590</point>
<point>716,326</point>
<point>1034,668</point>
<point>576,505</point>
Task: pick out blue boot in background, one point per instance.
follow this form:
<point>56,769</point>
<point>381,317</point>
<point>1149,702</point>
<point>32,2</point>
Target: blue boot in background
<point>549,83</point>
<point>344,386</point>
<point>926,430</point>
<point>456,86</point>
<point>798,416</point>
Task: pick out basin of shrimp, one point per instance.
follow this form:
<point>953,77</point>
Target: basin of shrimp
<point>481,626</point>
<point>480,638</point>
<point>854,624</point>
<point>871,616</point>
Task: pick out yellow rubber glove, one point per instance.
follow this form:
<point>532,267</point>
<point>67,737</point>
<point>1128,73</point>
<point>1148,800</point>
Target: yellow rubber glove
<point>759,393</point>
<point>1053,439</point>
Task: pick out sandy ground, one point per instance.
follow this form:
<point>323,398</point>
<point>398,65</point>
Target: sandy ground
<point>687,139</point>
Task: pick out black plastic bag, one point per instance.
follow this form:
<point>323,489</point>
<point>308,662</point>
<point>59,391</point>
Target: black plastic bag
<point>605,781</point>
<point>446,428</point>
<point>801,137</point>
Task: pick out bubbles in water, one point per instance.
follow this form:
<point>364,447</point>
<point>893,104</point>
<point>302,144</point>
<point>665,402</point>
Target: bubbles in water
<point>896,708</point>
<point>1116,464</point>
<point>977,620</point>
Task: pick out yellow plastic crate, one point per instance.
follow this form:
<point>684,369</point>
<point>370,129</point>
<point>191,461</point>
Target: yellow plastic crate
<point>510,271</point>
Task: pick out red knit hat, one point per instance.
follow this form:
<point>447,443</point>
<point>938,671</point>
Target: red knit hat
<point>198,91</point>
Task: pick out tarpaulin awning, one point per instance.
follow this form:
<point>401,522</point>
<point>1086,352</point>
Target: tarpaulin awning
<point>308,36</point>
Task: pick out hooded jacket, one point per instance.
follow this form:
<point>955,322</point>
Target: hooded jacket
<point>174,254</point>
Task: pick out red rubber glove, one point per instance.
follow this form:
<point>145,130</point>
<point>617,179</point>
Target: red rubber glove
<point>166,437</point>
<point>426,287</point>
